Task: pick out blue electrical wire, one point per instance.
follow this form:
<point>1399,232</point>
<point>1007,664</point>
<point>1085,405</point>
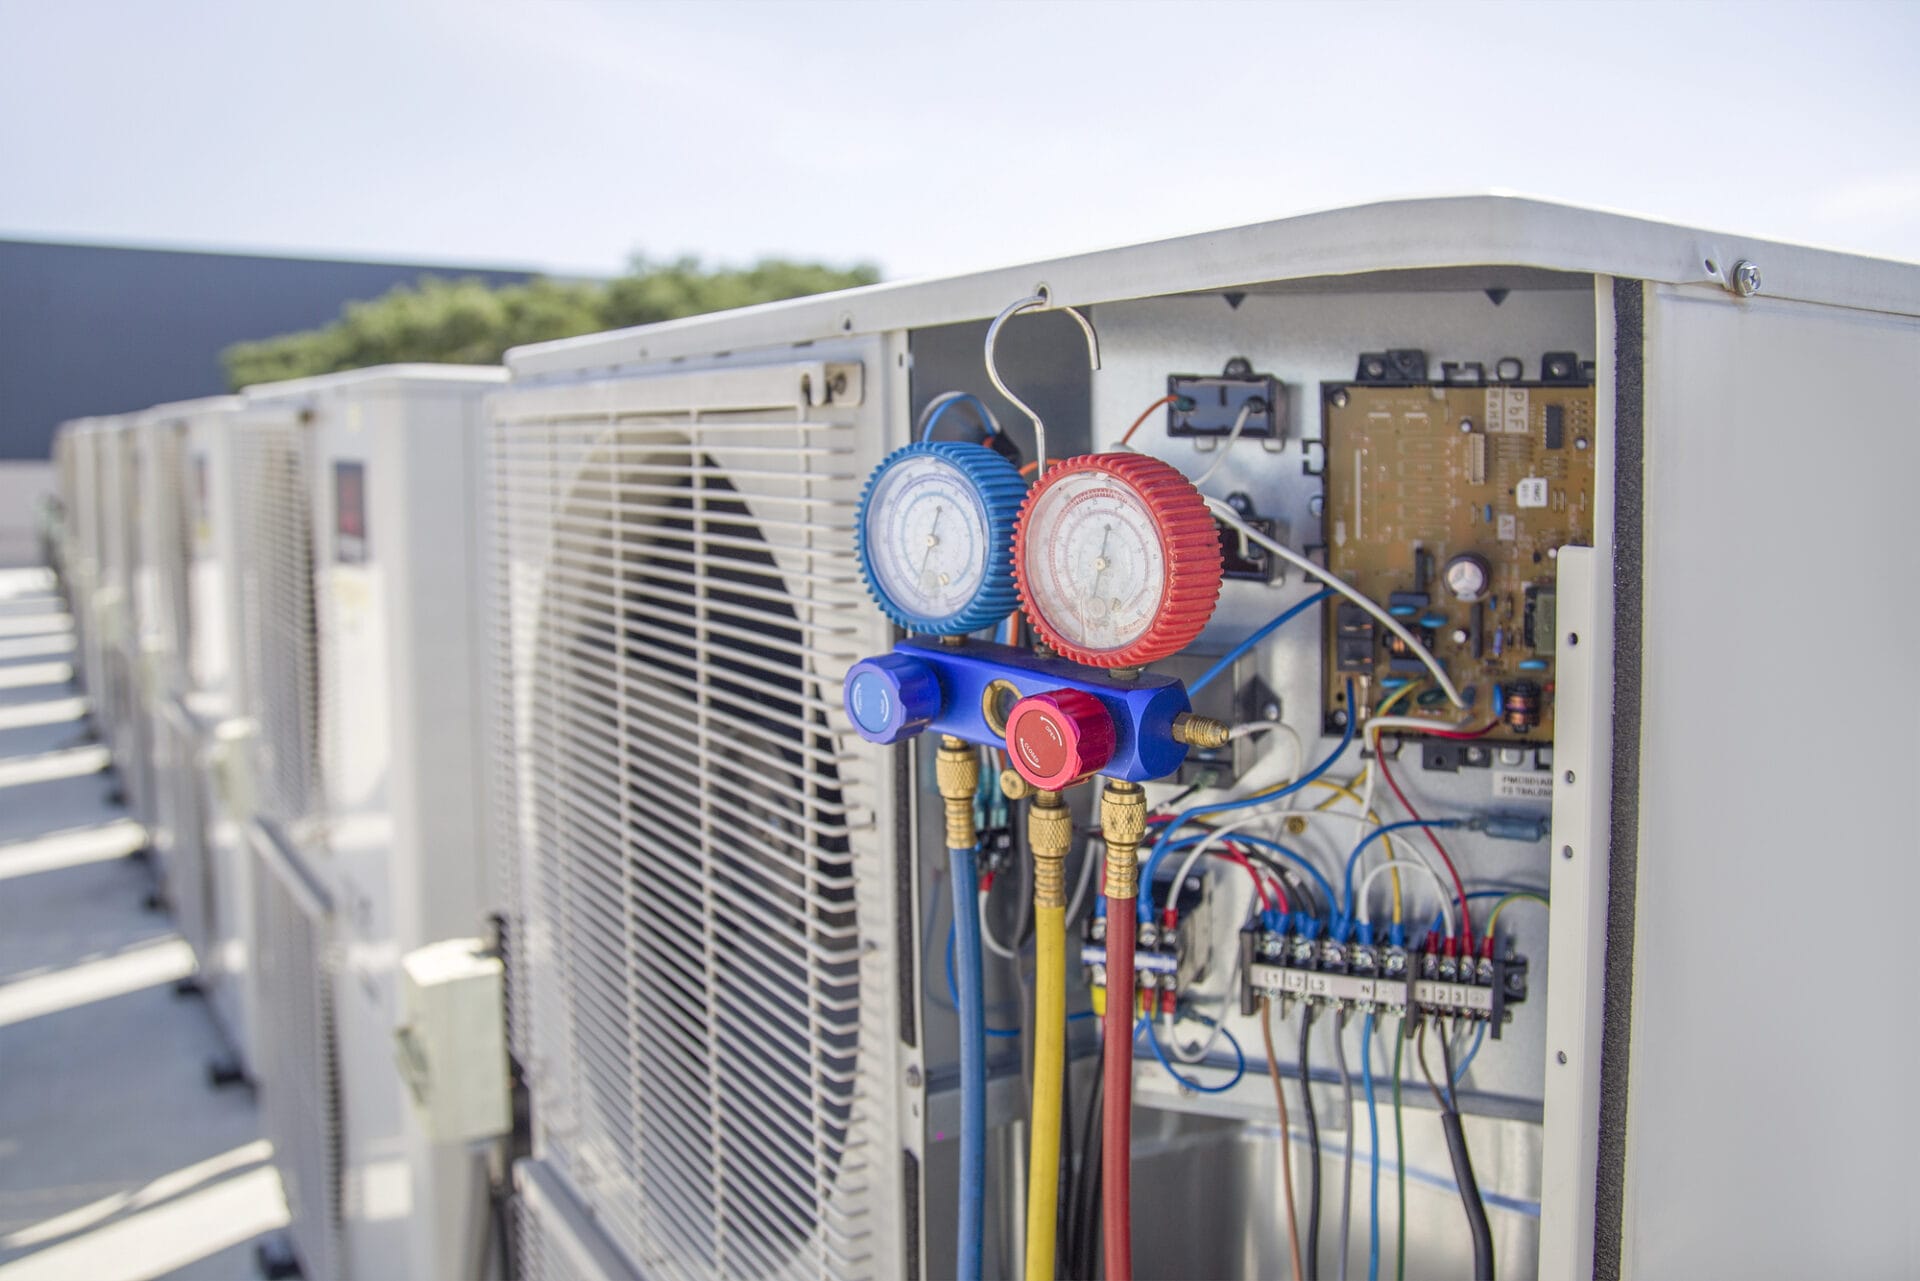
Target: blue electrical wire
<point>1239,1058</point>
<point>979,407</point>
<point>1233,655</point>
<point>1373,1143</point>
<point>1260,842</point>
<point>1375,834</point>
<point>1160,847</point>
<point>1460,1068</point>
<point>963,866</point>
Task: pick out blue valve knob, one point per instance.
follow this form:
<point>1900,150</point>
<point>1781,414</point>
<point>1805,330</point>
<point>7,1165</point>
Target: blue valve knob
<point>891,697</point>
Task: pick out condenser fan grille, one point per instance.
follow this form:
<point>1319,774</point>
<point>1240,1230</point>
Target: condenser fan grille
<point>681,603</point>
<point>277,615</point>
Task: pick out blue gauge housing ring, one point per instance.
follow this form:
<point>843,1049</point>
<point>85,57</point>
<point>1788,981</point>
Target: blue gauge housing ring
<point>1001,490</point>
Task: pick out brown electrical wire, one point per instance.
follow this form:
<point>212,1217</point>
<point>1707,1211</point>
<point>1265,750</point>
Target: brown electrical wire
<point>1286,1135</point>
<point>1144,415</point>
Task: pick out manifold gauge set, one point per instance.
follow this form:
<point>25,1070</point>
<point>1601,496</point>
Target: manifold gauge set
<point>1113,559</point>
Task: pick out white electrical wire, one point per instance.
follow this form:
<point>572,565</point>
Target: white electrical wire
<point>1239,425</point>
<point>993,944</point>
<point>1224,510</point>
<point>1200,1052</point>
<point>1439,886</point>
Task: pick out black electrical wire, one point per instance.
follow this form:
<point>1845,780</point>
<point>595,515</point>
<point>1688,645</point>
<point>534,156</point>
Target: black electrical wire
<point>1084,1235</point>
<point>1477,1226</point>
<point>1313,1149</point>
<point>1299,890</point>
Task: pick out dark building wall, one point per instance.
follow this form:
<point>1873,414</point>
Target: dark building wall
<point>88,329</point>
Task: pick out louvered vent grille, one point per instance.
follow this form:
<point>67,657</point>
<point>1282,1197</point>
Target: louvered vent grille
<point>277,624</point>
<point>183,826</point>
<point>300,1089</point>
<point>693,885</point>
<point>174,539</point>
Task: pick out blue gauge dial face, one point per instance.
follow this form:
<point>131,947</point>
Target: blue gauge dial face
<point>927,537</point>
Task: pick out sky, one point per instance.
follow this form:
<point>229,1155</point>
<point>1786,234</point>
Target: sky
<point>929,137</point>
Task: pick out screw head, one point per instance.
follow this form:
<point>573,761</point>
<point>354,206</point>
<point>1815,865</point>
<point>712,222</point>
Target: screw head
<point>1317,505</point>
<point>1561,1057</point>
<point>913,1078</point>
<point>1746,278</point>
<point>1340,397</point>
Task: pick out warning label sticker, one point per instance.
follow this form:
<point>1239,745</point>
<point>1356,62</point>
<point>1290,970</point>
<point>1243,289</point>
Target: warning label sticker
<point>1523,785</point>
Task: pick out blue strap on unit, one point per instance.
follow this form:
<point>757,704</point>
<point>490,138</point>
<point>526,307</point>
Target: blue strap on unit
<point>1001,491</point>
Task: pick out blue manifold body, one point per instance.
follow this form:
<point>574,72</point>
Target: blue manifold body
<point>924,686</point>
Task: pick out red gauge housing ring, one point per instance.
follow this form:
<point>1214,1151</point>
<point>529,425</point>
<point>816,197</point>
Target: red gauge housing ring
<point>1189,542</point>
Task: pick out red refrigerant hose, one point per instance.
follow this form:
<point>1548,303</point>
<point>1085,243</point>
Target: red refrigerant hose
<point>1123,822</point>
<point>1116,1123</point>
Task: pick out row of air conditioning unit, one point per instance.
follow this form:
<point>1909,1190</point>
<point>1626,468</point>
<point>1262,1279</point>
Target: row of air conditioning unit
<point>278,597</point>
<point>569,648</point>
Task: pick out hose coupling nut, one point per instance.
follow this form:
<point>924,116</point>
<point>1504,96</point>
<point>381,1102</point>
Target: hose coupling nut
<point>1200,731</point>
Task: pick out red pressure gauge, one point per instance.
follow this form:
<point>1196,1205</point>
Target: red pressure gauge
<point>1117,560</point>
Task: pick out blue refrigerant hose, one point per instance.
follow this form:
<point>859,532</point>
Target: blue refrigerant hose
<point>964,874</point>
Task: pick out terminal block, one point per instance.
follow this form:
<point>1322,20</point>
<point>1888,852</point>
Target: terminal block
<point>1303,962</point>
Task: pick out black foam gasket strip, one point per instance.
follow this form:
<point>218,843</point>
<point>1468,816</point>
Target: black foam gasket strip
<point>1629,504</point>
<point>905,867</point>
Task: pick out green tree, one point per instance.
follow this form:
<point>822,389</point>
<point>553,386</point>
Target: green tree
<point>464,321</point>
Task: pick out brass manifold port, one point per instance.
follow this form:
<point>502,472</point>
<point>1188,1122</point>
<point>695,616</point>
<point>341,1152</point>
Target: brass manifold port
<point>1123,825</point>
<point>956,770</point>
<point>1200,731</point>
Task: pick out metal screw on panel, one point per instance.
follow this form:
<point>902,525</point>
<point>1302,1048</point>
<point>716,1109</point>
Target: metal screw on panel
<point>1569,776</point>
<point>1746,278</point>
<point>1566,851</point>
<point>1340,399</point>
<point>1316,505</point>
<point>913,1078</point>
<point>1561,1057</point>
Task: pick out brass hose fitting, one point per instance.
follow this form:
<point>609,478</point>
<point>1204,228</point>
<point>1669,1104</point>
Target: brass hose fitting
<point>956,770</point>
<point>1200,731</point>
<point>1123,824</point>
<point>1050,836</point>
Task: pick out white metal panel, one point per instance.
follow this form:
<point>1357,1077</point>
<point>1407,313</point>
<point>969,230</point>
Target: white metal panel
<point>703,981</point>
<point>393,503</point>
<point>1409,235</point>
<point>1782,445</point>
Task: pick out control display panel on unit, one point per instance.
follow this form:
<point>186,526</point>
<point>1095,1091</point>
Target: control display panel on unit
<point>1449,504</point>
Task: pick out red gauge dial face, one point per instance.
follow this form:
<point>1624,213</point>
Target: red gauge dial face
<point>1117,560</point>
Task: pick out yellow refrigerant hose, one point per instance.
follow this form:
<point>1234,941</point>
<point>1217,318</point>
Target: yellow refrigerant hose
<point>1049,833</point>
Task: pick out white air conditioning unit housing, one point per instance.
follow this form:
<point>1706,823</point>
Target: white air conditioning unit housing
<point>705,984</point>
<point>189,626</point>
<point>368,784</point>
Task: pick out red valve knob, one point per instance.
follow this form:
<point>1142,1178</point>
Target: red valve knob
<point>1054,740</point>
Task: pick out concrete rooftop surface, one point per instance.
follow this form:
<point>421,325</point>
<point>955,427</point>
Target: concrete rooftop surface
<point>118,1158</point>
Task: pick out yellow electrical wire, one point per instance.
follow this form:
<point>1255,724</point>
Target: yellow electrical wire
<point>1501,906</point>
<point>1049,1067</point>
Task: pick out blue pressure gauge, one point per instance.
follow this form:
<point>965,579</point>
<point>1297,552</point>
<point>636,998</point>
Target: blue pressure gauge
<point>935,536</point>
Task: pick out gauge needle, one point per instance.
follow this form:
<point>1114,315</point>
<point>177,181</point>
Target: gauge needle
<point>1100,561</point>
<point>933,539</point>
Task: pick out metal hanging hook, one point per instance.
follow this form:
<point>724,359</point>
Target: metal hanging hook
<point>1039,301</point>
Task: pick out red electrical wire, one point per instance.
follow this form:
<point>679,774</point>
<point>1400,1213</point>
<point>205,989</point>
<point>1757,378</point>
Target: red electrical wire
<point>1380,759</point>
<point>1259,882</point>
<point>1116,1116</point>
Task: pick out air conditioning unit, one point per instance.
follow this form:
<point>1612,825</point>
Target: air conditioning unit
<point>707,979</point>
<point>359,504</point>
<point>120,695</point>
<point>1533,475</point>
<point>188,624</point>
